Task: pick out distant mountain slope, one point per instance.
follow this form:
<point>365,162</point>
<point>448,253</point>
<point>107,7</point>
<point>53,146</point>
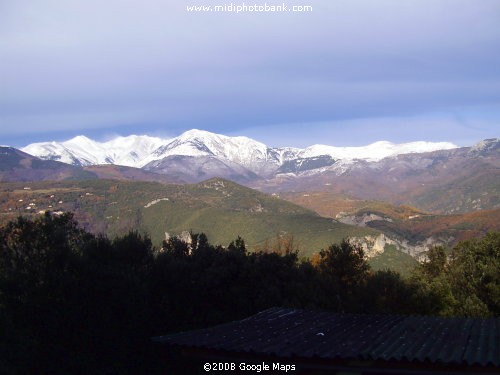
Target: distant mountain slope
<point>445,181</point>
<point>453,228</point>
<point>16,165</point>
<point>220,208</point>
<point>199,168</point>
<point>335,205</point>
<point>82,151</point>
<point>123,173</point>
<point>435,177</point>
<point>399,222</point>
<point>246,153</point>
<point>393,236</point>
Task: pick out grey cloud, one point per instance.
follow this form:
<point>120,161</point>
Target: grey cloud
<point>75,64</point>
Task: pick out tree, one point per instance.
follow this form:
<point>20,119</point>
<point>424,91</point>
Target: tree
<point>133,250</point>
<point>344,263</point>
<point>436,262</point>
<point>387,292</point>
<point>176,247</point>
<point>237,246</point>
<point>474,273</point>
<point>465,284</point>
<point>40,264</point>
<point>343,269</point>
<point>281,244</point>
<point>36,255</point>
<point>199,242</point>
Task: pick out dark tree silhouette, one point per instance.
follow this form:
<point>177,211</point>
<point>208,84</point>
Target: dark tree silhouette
<point>73,302</point>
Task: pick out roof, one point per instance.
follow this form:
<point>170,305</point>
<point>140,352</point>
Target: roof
<point>292,333</point>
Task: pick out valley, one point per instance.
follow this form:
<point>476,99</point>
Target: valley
<point>403,222</point>
<point>438,178</point>
<point>395,200</point>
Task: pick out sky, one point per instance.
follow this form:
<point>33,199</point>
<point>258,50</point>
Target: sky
<point>349,73</point>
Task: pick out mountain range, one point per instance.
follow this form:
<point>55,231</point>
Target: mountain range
<point>436,177</point>
<point>233,155</point>
<point>445,181</point>
<point>393,198</point>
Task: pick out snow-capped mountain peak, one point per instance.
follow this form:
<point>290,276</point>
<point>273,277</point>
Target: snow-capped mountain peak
<point>79,139</point>
<point>241,150</point>
<point>141,150</point>
<point>80,150</point>
<point>375,151</point>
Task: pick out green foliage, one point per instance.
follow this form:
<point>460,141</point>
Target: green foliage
<point>387,292</point>
<point>435,265</point>
<point>72,294</point>
<point>73,302</point>
<point>175,247</point>
<point>344,264</point>
<point>133,250</point>
<point>393,259</point>
<point>467,282</point>
<point>237,245</point>
<point>474,272</point>
<point>343,270</point>
<point>116,207</point>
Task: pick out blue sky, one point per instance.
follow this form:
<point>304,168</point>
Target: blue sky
<point>349,73</point>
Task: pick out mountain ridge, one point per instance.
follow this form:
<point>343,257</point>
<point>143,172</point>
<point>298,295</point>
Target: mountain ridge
<point>139,151</point>
<point>220,208</point>
<point>443,181</point>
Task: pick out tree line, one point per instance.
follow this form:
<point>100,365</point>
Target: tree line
<point>75,302</point>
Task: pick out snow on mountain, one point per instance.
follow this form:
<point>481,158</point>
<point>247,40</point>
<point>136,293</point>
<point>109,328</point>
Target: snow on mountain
<point>129,151</point>
<point>375,151</point>
<point>241,150</point>
<point>62,151</point>
<point>487,144</point>
<point>132,150</point>
<point>139,151</point>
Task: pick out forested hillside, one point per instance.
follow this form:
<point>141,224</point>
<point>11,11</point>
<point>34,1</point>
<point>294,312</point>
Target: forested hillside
<point>73,300</point>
